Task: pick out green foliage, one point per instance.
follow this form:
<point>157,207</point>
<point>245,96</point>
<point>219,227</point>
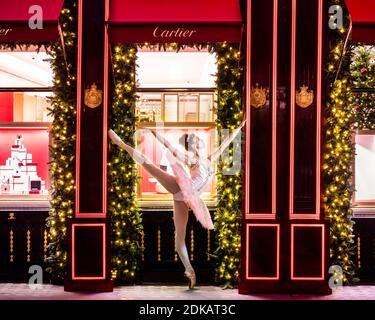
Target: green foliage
<point>62,148</point>
<point>338,153</point>
<point>127,226</point>
<point>229,191</point>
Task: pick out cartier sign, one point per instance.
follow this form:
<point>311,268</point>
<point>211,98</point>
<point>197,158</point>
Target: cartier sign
<point>173,33</point>
<point>5,31</point>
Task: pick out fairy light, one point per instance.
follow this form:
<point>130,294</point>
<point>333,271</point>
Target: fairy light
<point>338,155</point>
<point>127,226</point>
<point>62,151</point>
<point>229,187</point>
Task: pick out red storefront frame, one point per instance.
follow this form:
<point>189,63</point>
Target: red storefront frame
<point>363,20</point>
<point>179,21</point>
<point>15,16</point>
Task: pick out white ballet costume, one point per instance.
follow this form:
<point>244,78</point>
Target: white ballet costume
<point>191,187</point>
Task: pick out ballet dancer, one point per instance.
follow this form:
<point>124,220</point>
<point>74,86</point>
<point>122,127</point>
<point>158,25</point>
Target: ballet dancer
<point>186,189</point>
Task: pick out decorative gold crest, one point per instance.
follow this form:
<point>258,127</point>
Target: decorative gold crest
<point>304,97</point>
<point>93,97</point>
<point>258,97</point>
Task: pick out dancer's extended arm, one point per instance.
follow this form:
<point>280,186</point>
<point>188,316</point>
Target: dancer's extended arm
<point>216,154</point>
<point>183,157</point>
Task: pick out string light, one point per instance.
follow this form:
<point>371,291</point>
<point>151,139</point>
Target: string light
<point>229,186</point>
<point>338,155</point>
<point>62,150</point>
<point>127,226</point>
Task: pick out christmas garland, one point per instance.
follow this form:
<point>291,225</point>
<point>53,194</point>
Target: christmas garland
<point>339,152</point>
<point>229,190</point>
<point>63,147</point>
<point>122,174</point>
<point>363,74</point>
<point>62,150</point>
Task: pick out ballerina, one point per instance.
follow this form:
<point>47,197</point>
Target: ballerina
<point>185,189</point>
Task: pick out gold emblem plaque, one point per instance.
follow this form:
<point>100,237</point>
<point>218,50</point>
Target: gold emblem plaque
<point>93,97</point>
<point>258,96</point>
<point>304,97</point>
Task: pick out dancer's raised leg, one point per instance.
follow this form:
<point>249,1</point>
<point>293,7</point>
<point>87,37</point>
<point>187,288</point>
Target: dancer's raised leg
<point>180,217</point>
<point>166,180</point>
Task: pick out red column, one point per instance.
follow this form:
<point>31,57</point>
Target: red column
<point>89,230</point>
<point>285,238</point>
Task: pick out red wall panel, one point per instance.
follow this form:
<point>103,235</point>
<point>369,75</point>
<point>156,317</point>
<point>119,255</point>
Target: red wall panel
<point>6,106</point>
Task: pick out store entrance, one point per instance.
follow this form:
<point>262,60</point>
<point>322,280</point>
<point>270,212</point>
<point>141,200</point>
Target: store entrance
<point>175,96</point>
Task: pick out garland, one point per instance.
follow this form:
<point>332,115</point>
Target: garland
<point>127,226</point>
<point>62,149</point>
<point>229,191</point>
<point>339,152</point>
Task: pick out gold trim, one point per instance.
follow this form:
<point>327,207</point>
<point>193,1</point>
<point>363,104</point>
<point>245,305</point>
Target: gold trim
<point>11,245</point>
<point>45,244</point>
<point>159,244</point>
<point>359,251</point>
<point>28,244</point>
<point>192,244</point>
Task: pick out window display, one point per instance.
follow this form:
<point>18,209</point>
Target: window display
<point>25,88</point>
<point>23,162</point>
<point>149,188</point>
<point>365,168</point>
<point>24,107</point>
<point>175,107</point>
<point>188,107</point>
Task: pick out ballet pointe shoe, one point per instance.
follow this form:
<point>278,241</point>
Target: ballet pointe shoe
<point>192,278</point>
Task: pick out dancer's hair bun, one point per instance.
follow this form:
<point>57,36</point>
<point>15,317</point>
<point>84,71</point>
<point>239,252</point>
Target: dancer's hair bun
<point>187,140</point>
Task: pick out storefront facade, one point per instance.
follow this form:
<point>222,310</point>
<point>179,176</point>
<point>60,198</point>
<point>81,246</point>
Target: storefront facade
<point>283,44</point>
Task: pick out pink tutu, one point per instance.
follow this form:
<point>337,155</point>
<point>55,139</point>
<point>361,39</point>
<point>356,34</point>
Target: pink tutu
<point>189,195</point>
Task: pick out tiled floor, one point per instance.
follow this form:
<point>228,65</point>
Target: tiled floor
<point>12,291</point>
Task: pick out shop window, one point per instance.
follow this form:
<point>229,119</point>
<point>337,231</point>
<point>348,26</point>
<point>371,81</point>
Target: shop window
<point>179,107</point>
<point>176,92</point>
<point>24,107</point>
<point>25,88</point>
<point>149,189</point>
<point>364,176</point>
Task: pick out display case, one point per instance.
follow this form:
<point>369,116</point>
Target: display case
<point>364,174</point>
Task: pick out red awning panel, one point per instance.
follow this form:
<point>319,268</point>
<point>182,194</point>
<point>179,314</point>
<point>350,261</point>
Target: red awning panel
<point>183,21</point>
<point>15,16</point>
<point>362,13</point>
